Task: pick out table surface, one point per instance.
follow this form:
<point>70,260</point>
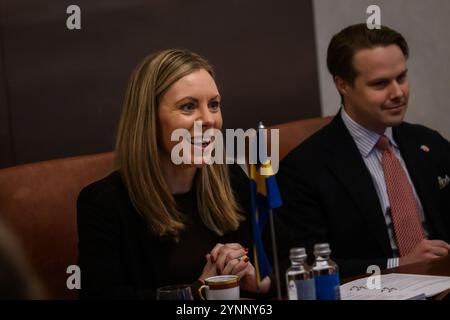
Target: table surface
<point>436,267</point>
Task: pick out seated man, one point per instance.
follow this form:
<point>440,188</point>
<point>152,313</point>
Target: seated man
<point>376,188</point>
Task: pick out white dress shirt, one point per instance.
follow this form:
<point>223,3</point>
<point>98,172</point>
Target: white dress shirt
<point>366,140</point>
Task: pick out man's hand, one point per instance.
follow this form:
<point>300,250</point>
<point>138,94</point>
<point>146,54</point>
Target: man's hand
<point>426,250</point>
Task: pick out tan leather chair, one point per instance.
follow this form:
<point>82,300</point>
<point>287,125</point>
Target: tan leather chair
<point>295,132</point>
<point>38,204</point>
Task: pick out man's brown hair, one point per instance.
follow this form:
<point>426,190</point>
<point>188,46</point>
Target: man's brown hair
<point>348,41</point>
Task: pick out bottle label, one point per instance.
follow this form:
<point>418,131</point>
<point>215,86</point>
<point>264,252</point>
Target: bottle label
<point>327,287</point>
<point>292,290</point>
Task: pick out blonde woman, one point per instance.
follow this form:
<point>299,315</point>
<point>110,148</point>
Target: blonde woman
<point>151,222</point>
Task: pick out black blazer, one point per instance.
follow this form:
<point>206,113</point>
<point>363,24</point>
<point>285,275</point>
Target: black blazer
<point>119,257</point>
<point>329,195</point>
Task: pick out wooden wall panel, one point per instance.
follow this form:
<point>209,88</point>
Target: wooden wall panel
<point>65,88</point>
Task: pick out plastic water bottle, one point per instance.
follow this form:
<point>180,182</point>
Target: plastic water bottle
<point>326,274</point>
<point>299,277</point>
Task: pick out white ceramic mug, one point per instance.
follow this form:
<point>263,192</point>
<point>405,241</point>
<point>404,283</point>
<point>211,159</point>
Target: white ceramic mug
<point>224,287</point>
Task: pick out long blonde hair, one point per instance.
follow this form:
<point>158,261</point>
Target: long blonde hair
<point>137,151</point>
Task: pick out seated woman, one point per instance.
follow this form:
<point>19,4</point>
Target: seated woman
<point>152,223</point>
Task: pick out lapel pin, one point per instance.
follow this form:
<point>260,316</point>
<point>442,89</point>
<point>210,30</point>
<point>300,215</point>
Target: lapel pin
<point>424,148</point>
<point>443,182</point>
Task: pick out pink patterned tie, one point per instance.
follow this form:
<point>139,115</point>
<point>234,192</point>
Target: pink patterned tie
<point>404,209</point>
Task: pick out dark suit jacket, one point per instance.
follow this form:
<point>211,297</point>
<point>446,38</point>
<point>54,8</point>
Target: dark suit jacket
<point>329,196</point>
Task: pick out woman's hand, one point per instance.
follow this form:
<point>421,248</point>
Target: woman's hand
<point>209,270</point>
<point>219,256</point>
<point>243,268</point>
<point>222,254</point>
<point>231,258</point>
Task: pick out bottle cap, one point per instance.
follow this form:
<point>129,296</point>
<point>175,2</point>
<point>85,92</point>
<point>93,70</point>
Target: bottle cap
<point>297,253</point>
<point>321,249</point>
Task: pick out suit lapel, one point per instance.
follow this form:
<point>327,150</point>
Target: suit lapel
<point>421,176</point>
<point>346,163</point>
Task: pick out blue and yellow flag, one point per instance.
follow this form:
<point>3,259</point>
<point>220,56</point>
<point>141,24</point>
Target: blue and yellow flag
<point>265,196</point>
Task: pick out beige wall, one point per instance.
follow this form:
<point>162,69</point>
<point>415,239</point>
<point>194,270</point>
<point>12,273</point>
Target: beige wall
<point>425,24</point>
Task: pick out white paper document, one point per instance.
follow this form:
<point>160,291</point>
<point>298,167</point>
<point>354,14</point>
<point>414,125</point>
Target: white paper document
<point>395,286</point>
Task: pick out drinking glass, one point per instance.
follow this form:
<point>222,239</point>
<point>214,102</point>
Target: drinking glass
<point>177,292</point>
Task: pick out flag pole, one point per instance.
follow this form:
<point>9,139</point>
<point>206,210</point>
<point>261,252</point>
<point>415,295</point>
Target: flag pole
<point>272,224</point>
<point>275,255</point>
